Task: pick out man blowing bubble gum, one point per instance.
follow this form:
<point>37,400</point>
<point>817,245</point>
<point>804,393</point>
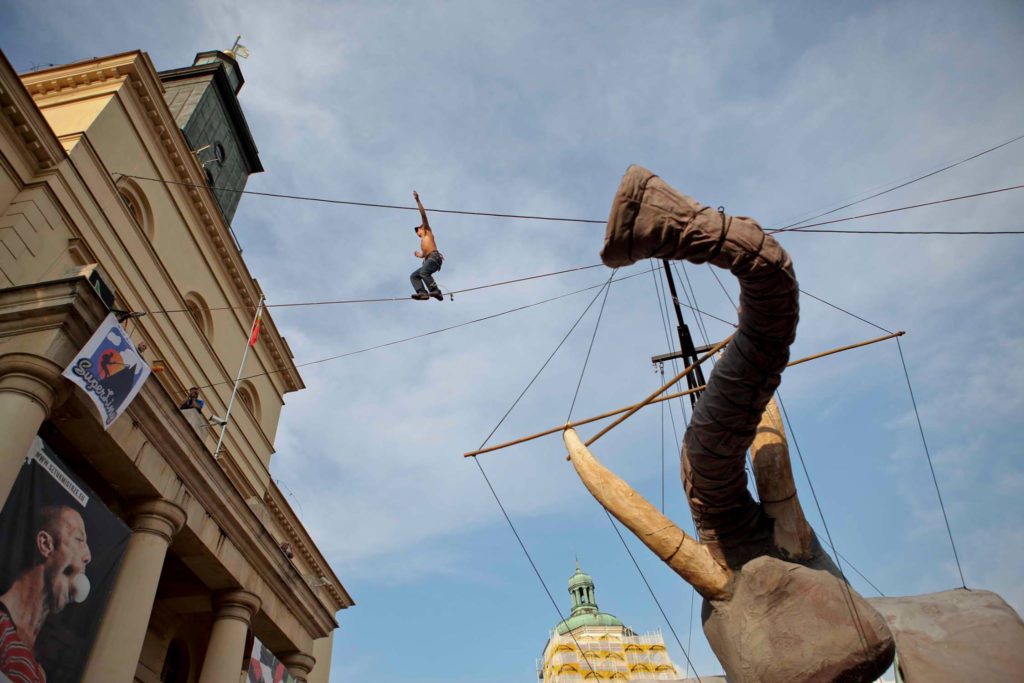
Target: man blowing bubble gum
<point>53,577</point>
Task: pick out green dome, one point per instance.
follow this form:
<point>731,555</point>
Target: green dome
<point>581,620</point>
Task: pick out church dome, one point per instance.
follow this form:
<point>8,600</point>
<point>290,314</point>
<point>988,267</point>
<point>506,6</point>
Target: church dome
<point>581,620</point>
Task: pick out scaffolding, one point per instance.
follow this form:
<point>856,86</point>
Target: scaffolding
<point>607,653</point>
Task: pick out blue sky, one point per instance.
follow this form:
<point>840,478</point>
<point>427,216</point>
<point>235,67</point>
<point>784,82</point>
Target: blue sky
<point>774,110</point>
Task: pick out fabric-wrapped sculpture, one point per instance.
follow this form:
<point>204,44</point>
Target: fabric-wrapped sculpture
<point>776,609</point>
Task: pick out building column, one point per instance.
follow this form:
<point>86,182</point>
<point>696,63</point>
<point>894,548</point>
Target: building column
<point>28,391</point>
<point>322,653</point>
<point>115,654</point>
<point>233,612</point>
<point>299,664</point>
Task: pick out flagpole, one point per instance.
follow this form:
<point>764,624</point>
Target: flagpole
<point>238,379</point>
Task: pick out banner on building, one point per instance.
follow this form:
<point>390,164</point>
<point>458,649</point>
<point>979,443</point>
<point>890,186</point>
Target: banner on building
<point>109,369</point>
<point>61,548</point>
<point>264,667</point>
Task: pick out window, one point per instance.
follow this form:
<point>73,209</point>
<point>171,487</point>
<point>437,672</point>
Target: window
<point>134,201</point>
<point>133,209</point>
<point>199,311</point>
<point>248,396</point>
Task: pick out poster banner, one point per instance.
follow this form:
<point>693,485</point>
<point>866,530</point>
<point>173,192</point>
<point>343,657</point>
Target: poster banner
<point>264,667</point>
<point>109,369</point>
<point>61,551</point>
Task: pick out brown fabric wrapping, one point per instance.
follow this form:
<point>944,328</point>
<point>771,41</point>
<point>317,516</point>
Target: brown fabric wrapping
<point>649,219</point>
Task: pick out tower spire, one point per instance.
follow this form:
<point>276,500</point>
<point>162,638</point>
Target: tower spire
<point>581,590</point>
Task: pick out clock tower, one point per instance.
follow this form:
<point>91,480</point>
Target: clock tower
<point>204,101</point>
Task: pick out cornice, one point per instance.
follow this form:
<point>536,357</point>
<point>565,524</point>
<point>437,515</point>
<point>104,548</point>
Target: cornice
<point>137,70</point>
<point>302,542</point>
<point>19,111</point>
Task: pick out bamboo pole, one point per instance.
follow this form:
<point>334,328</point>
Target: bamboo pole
<point>658,392</point>
<point>840,349</point>
<point>667,397</point>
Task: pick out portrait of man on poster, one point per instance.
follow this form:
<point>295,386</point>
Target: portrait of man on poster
<point>53,577</point>
<point>60,550</point>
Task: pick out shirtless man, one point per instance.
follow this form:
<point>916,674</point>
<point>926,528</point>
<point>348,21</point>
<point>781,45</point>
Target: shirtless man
<point>421,278</point>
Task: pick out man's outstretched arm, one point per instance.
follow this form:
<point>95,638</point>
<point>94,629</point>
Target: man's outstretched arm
<point>423,212</point>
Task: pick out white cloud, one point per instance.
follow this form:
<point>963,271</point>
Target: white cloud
<point>538,108</point>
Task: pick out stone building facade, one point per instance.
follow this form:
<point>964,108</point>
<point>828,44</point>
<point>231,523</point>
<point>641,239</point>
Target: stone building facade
<point>216,556</point>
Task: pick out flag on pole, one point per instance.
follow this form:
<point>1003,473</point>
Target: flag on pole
<point>254,334</point>
<point>256,326</point>
<point>109,370</point>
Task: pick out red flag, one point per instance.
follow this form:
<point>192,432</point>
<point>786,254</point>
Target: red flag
<point>256,328</point>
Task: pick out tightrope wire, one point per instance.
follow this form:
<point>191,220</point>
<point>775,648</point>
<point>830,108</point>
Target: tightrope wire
<point>427,334</point>
<point>332,302</point>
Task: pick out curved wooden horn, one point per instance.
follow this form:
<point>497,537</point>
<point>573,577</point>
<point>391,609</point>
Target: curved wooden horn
<point>683,554</point>
<point>776,488</point>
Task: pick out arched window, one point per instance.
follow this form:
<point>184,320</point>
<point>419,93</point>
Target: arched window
<point>199,311</point>
<point>250,398</point>
<point>138,207</point>
<point>133,208</point>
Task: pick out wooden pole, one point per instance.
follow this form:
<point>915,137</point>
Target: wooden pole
<point>687,370</point>
<point>667,397</point>
<point>846,348</point>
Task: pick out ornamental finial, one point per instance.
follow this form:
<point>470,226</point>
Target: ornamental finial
<point>238,50</point>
